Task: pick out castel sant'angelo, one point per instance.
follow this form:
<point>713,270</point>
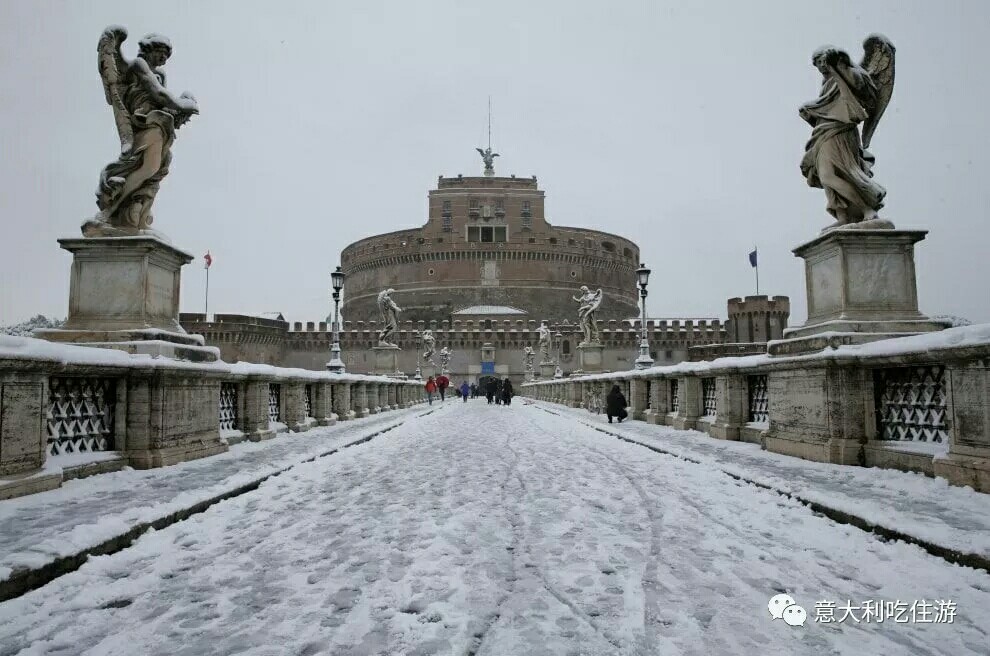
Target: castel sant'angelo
<point>482,274</point>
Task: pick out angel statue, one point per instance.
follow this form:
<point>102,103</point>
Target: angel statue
<point>528,356</point>
<point>545,343</point>
<point>444,360</point>
<point>390,316</point>
<point>590,301</point>
<point>489,157</point>
<point>836,158</point>
<point>147,116</point>
<point>429,347</point>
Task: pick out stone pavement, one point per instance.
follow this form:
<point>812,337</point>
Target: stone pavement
<point>952,522</point>
<point>37,531</point>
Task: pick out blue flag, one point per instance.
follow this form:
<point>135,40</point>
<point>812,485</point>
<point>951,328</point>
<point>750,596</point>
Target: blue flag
<point>752,258</point>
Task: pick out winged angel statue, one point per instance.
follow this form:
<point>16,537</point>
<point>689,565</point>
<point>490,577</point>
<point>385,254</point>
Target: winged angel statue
<point>489,158</point>
<point>836,158</point>
<point>147,116</point>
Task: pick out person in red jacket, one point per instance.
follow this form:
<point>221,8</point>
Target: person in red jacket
<point>431,387</point>
<point>442,384</point>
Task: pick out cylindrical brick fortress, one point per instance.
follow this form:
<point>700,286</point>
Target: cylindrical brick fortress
<point>487,243</point>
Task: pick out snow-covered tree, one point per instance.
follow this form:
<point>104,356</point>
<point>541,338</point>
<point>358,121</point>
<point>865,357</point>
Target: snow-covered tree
<point>26,328</point>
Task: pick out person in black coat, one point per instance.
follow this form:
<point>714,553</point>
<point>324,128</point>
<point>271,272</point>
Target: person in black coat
<point>506,392</point>
<point>615,405</point>
<point>490,389</point>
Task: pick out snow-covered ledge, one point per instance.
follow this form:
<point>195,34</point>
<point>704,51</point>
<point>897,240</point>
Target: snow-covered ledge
<point>836,405</point>
<point>153,411</point>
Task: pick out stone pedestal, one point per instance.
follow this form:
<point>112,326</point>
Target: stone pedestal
<point>386,360</point>
<point>590,358</point>
<point>861,287</point>
<point>547,370</point>
<point>124,294</point>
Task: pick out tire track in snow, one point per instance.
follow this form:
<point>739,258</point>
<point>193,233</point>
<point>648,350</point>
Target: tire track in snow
<point>650,579</point>
<point>540,572</point>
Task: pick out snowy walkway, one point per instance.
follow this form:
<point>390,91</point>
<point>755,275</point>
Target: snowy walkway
<point>503,531</point>
<point>37,529</point>
<point>925,508</point>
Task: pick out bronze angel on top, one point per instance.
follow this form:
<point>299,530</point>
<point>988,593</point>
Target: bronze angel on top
<point>147,116</point>
<point>836,158</point>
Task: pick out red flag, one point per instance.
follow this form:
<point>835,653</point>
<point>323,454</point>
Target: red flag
<point>208,258</point>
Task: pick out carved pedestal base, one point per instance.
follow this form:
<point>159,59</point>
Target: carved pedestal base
<point>861,287</point>
<point>386,360</point>
<point>590,358</point>
<point>547,370</point>
<point>124,294</point>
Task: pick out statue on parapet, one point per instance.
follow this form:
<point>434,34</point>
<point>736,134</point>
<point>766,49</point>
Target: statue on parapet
<point>590,302</point>
<point>429,347</point>
<point>529,355</point>
<point>836,158</point>
<point>489,158</point>
<point>147,117</point>
<point>444,360</point>
<point>546,343</point>
<point>390,316</point>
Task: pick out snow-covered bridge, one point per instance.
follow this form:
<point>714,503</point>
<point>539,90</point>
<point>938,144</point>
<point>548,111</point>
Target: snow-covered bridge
<point>464,528</point>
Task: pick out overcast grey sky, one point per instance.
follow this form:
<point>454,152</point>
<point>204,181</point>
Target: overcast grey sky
<point>672,123</point>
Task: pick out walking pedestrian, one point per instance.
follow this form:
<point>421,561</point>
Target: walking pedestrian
<point>442,384</point>
<point>615,405</point>
<point>490,388</point>
<point>431,387</point>
<point>464,390</point>
<point>498,392</point>
<point>506,392</point>
<point>474,391</point>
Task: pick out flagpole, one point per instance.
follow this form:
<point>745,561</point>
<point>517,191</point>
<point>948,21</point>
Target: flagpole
<point>757,267</point>
<point>206,310</point>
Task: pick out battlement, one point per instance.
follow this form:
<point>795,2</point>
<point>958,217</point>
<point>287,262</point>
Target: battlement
<point>761,303</point>
<point>705,331</point>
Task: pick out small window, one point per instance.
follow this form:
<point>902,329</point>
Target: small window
<point>552,240</point>
<point>474,204</point>
<point>446,207</point>
<point>448,223</point>
<point>609,246</point>
<point>473,233</point>
<point>500,234</point>
<point>565,348</point>
<point>487,234</point>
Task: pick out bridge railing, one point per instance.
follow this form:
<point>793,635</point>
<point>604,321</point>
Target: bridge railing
<point>919,403</point>
<point>61,400</point>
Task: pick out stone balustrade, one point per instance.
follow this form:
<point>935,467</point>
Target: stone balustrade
<point>63,400</point>
<point>918,403</point>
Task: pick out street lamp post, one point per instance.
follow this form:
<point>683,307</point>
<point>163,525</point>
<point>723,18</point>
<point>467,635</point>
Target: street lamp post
<point>559,372</point>
<point>644,360</point>
<point>419,342</point>
<point>336,365</point>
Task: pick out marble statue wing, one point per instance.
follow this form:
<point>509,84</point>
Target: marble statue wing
<point>878,61</point>
<point>596,303</point>
<point>113,69</point>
